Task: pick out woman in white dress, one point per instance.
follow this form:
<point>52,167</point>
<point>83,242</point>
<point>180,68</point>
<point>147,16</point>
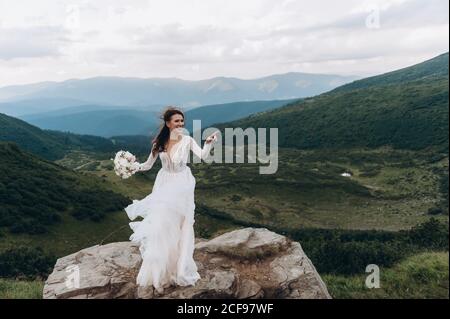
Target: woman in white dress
<point>166,233</point>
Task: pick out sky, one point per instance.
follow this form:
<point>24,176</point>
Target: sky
<point>56,40</point>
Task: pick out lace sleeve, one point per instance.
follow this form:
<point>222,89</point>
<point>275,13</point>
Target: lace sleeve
<point>148,164</point>
<point>198,151</point>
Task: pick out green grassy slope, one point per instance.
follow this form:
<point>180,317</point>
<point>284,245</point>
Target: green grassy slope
<point>434,68</point>
<point>422,276</point>
<point>36,193</point>
<point>210,114</point>
<point>406,114</point>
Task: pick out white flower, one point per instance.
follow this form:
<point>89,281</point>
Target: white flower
<point>125,164</point>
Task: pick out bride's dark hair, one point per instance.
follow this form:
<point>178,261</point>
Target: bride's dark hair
<point>161,139</point>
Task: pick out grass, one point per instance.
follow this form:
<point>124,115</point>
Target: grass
<point>389,189</point>
<point>422,276</point>
<point>308,190</point>
<point>13,289</point>
<point>71,235</point>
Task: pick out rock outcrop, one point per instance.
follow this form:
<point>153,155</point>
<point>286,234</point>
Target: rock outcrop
<point>245,263</point>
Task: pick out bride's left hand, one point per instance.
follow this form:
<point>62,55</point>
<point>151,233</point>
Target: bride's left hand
<point>212,137</point>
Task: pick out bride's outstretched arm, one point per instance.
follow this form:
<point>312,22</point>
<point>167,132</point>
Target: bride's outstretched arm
<point>203,153</point>
<point>148,164</point>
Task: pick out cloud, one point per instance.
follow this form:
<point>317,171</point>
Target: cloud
<point>31,42</point>
<point>176,33</point>
<point>401,14</point>
<point>196,39</point>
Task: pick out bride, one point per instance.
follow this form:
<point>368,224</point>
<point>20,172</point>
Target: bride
<point>166,233</point>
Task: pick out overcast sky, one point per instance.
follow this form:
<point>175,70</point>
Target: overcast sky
<point>198,39</point>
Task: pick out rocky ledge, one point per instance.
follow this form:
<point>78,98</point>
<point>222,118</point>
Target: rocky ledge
<point>245,263</point>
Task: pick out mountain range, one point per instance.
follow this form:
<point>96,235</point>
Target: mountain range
<point>404,108</point>
<point>110,121</point>
<point>154,92</point>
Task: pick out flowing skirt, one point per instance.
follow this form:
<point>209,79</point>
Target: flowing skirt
<point>166,233</point>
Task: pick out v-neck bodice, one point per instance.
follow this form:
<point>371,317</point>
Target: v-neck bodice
<point>179,153</point>
<point>172,160</point>
<point>174,146</point>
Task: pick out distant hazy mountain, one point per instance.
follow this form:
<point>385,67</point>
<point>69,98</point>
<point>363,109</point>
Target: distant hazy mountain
<point>15,91</point>
<point>84,108</point>
<point>211,114</point>
<point>407,108</point>
<point>38,108</point>
<point>102,122</point>
<point>108,121</point>
<point>17,108</point>
<point>134,92</point>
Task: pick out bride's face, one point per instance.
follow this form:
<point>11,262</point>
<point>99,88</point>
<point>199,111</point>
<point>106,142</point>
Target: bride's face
<point>176,121</point>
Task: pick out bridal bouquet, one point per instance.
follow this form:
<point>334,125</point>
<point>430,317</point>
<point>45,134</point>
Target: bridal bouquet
<point>125,164</point>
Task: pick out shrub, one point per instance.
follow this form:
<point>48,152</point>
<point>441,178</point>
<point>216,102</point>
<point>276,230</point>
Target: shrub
<point>431,234</point>
<point>435,211</point>
<point>350,251</point>
<point>26,262</point>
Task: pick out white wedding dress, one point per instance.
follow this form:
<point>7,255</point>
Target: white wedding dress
<point>166,233</point>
